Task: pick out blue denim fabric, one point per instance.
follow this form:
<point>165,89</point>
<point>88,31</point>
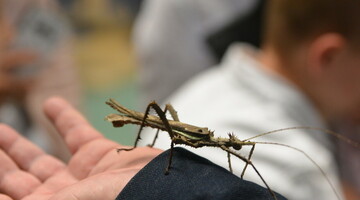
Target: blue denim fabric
<point>191,177</point>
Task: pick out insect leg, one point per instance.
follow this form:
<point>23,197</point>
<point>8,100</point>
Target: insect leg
<point>250,154</point>
<point>228,156</point>
<point>155,138</point>
<point>173,114</point>
<point>170,158</point>
<point>140,129</point>
<point>172,111</point>
<point>252,165</point>
<point>229,161</point>
<point>162,116</point>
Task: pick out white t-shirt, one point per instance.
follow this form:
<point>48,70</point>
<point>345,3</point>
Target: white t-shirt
<point>240,97</point>
<point>170,40</point>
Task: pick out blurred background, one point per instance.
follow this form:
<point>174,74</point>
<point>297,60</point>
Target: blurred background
<point>88,51</point>
<point>79,50</point>
<point>105,60</point>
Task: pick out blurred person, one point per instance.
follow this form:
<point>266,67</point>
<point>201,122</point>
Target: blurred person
<point>246,29</point>
<point>170,40</point>
<point>66,4</point>
<point>35,62</point>
<point>132,5</point>
<point>306,74</point>
<point>9,85</point>
<point>96,171</point>
<point>348,157</point>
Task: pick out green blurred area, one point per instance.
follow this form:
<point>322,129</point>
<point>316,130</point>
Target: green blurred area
<point>106,64</point>
<point>96,110</point>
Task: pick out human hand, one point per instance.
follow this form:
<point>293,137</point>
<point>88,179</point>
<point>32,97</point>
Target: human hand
<point>95,170</point>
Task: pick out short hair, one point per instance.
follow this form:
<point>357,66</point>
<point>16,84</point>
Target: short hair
<point>289,22</point>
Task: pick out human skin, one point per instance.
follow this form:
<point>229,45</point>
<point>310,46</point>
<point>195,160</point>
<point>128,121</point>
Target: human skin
<point>95,170</point>
<point>325,68</point>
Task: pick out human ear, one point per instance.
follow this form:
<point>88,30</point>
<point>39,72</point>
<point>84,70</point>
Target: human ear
<point>324,51</point>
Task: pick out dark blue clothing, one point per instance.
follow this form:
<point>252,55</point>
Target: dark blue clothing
<point>190,177</point>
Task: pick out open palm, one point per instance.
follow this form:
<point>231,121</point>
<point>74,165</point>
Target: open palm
<point>95,170</point>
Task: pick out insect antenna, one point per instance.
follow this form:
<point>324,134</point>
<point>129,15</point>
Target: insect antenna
<point>310,159</point>
<point>327,131</point>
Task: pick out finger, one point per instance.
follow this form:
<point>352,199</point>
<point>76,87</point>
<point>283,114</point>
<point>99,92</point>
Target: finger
<point>5,197</point>
<point>27,156</point>
<point>71,125</point>
<point>14,182</point>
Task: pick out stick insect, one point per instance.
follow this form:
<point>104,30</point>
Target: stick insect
<point>182,133</point>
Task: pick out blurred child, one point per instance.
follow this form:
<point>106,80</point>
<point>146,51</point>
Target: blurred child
<point>306,74</point>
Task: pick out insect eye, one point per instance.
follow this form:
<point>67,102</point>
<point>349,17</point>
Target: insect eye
<point>237,146</point>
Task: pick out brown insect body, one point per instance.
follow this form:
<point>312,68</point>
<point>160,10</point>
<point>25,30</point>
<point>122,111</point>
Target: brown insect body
<point>180,133</point>
<point>190,135</point>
